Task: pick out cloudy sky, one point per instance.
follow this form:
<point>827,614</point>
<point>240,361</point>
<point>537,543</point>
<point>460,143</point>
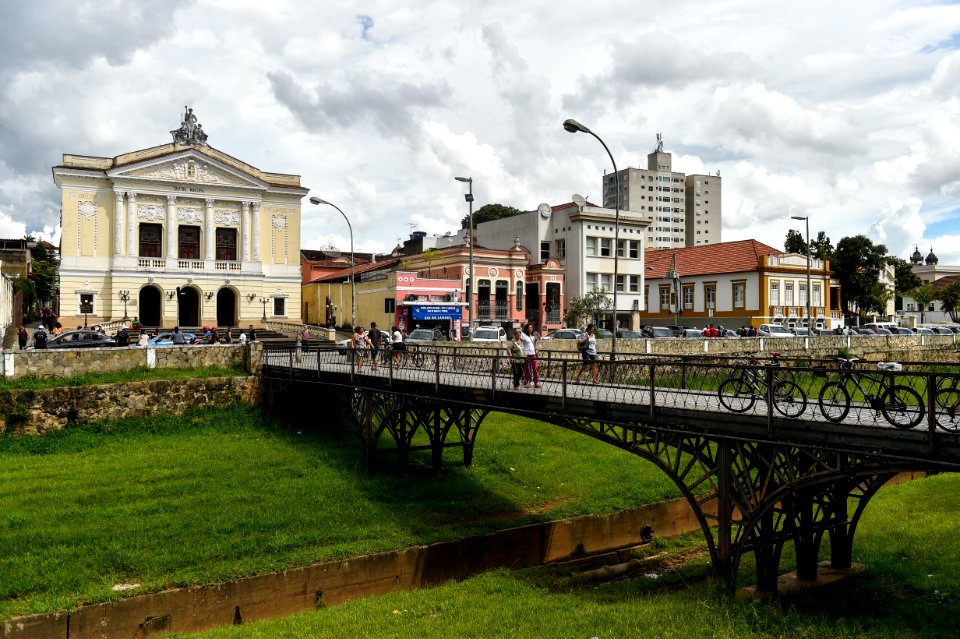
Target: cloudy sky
<point>848,112</point>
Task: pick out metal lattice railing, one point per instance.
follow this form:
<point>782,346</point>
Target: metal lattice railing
<point>854,393</point>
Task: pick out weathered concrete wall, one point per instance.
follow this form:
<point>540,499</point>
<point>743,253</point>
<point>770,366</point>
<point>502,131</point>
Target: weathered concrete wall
<point>35,412</point>
<point>68,362</point>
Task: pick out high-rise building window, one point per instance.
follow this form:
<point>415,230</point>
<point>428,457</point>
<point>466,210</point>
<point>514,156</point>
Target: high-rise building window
<point>605,246</point>
<point>544,251</point>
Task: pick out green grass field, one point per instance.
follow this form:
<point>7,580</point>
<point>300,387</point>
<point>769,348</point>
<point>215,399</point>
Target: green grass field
<point>218,494</point>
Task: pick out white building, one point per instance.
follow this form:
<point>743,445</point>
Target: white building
<point>929,270</point>
<point>581,238</point>
<point>684,209</point>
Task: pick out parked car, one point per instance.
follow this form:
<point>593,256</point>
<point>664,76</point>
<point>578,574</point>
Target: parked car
<point>630,335</point>
<point>657,332</point>
<point>676,329</point>
<point>428,335</point>
<point>902,330</point>
<point>923,331</point>
<point>83,338</point>
<point>564,333</point>
<point>489,334</point>
<point>166,339</point>
<point>773,330</point>
<point>941,330</point>
<point>801,331</point>
<point>604,333</point>
<point>692,332</point>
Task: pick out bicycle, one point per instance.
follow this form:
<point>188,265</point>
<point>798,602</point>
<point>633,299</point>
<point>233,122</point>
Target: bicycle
<point>947,399</point>
<point>748,383</point>
<point>900,405</point>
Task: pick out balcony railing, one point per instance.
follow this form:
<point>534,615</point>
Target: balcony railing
<point>160,264</point>
<point>151,264</point>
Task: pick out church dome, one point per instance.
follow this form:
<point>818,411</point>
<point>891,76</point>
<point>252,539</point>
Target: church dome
<point>916,258</point>
<point>931,258</point>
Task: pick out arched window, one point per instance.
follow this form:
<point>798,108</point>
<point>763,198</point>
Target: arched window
<point>519,295</point>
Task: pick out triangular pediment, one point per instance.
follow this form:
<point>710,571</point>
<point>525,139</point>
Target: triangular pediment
<point>189,167</point>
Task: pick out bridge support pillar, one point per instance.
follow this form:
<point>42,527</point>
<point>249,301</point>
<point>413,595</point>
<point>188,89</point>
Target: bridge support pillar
<point>766,553</point>
<point>806,542</point>
<point>841,537</point>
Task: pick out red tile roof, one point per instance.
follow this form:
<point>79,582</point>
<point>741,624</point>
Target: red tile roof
<point>358,269</point>
<point>725,257</point>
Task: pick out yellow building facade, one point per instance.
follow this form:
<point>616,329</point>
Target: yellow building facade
<point>178,234</point>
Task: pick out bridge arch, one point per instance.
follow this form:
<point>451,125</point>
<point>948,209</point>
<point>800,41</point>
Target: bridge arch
<point>755,481</point>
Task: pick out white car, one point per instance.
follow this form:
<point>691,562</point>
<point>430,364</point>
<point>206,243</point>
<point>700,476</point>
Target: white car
<point>774,330</point>
<point>489,334</point>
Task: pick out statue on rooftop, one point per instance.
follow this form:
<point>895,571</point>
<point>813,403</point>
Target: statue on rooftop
<point>189,132</point>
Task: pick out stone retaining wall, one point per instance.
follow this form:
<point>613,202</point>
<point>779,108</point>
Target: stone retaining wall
<point>66,362</point>
<point>35,412</point>
<point>905,348</point>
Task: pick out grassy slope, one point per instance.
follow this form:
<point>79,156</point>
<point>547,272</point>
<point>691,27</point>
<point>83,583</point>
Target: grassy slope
<point>219,494</point>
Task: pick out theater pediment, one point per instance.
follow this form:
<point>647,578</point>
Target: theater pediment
<point>191,168</point>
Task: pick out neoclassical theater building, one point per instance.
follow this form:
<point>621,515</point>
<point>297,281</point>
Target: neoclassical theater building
<point>178,234</point>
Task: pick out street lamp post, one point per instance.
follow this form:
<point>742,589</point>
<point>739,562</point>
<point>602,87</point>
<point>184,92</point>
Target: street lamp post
<point>469,198</point>
<point>572,126</point>
<point>353,279</point>
<point>806,219</point>
<point>264,300</point>
<point>125,297</point>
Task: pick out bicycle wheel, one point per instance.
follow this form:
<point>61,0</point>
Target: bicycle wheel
<point>902,406</point>
<point>834,401</point>
<point>417,358</point>
<point>948,409</point>
<point>789,399</point>
<point>736,395</point>
<point>949,388</point>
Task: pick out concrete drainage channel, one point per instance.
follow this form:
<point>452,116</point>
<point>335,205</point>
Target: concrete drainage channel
<point>329,583</point>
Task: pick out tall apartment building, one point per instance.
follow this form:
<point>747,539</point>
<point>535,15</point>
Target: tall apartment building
<point>685,208</point>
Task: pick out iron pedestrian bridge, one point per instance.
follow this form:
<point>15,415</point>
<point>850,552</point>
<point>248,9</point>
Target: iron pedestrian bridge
<point>765,452</point>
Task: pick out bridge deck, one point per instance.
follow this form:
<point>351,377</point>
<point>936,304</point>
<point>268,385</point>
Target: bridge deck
<point>673,394</point>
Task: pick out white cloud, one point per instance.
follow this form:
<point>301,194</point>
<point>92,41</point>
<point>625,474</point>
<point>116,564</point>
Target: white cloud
<point>847,112</point>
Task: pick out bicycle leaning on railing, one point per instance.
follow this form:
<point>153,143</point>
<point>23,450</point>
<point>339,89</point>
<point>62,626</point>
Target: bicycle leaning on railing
<point>900,405</point>
<point>948,403</point>
<point>754,379</point>
<point>409,354</point>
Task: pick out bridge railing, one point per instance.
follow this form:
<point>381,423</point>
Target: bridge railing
<point>915,397</point>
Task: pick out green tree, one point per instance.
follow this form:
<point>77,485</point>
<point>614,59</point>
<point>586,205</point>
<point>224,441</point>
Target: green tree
<point>949,297</point>
<point>857,263</point>
<point>922,295</point>
<point>821,248</point>
<point>905,279</point>
<point>43,271</point>
<point>794,243</point>
<point>588,308</point>
<point>489,212</point>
